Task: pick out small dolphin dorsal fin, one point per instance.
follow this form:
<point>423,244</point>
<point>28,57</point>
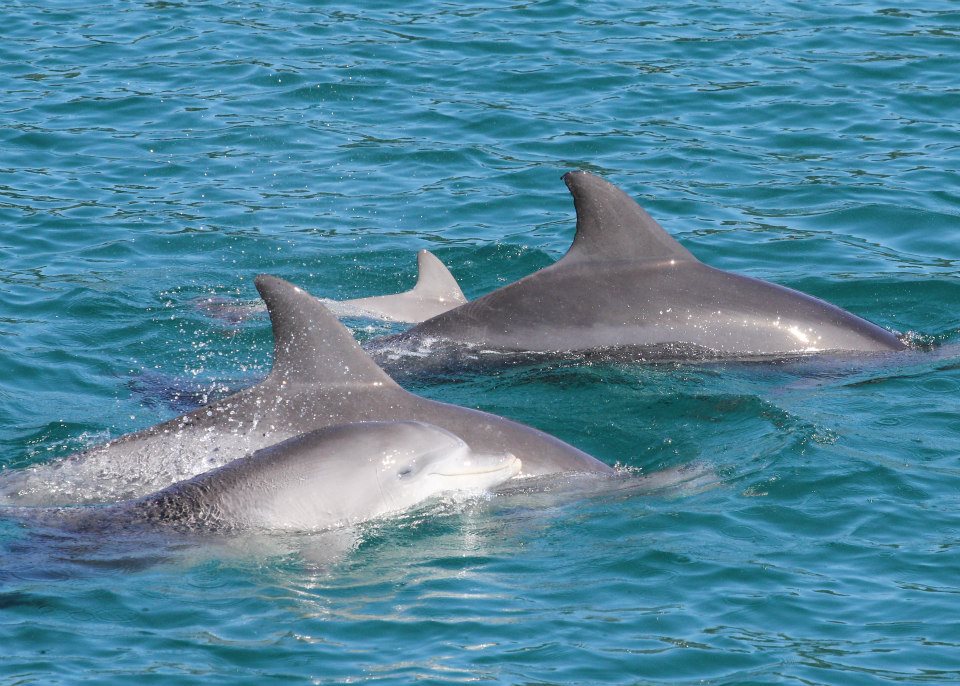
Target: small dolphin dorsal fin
<point>434,280</point>
<point>612,226</point>
<point>310,345</point>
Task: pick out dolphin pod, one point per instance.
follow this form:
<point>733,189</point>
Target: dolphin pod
<point>330,438</point>
<point>320,378</point>
<point>625,284</point>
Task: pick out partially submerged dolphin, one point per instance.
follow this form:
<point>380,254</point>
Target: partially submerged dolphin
<point>320,377</point>
<point>435,291</point>
<point>627,285</point>
<point>326,478</point>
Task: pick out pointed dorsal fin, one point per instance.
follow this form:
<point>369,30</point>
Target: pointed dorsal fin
<point>435,281</point>
<point>612,226</point>
<point>310,345</point>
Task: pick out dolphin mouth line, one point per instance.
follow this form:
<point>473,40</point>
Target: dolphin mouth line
<point>506,465</point>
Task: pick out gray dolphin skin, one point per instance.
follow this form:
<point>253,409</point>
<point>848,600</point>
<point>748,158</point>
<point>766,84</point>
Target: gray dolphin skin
<point>320,377</point>
<point>324,479</point>
<point>435,292</point>
<point>627,284</point>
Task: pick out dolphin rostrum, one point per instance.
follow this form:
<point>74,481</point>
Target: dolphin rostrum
<point>625,284</point>
<point>326,478</point>
<point>435,291</point>
<point>320,377</point>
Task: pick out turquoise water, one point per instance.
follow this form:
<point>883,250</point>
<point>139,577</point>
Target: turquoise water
<point>152,154</point>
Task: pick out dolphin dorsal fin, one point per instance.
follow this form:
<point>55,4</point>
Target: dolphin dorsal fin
<point>310,345</point>
<point>612,226</point>
<point>434,280</point>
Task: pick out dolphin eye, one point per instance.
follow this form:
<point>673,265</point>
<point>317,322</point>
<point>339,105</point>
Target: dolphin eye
<point>405,472</point>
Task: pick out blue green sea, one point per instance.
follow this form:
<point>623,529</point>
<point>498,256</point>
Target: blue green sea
<point>806,528</point>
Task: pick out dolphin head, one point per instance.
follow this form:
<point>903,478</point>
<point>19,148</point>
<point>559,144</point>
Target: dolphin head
<point>406,477</point>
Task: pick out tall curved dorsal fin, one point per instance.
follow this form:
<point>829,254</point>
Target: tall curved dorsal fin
<point>435,281</point>
<point>612,226</point>
<point>310,345</point>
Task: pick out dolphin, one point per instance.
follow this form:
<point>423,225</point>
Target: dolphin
<point>435,292</point>
<point>327,478</point>
<point>626,285</point>
<point>320,378</point>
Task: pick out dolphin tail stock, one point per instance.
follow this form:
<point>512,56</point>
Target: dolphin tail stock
<point>310,344</point>
<point>612,226</point>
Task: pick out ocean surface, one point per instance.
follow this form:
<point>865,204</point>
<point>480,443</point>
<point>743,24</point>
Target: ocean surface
<point>801,520</point>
